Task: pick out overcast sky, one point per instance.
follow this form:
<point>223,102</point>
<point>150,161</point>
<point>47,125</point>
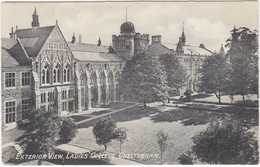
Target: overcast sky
<point>204,22</point>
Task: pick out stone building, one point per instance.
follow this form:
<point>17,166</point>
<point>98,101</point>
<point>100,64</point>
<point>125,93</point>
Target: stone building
<point>40,69</point>
<point>191,57</point>
<point>129,42</point>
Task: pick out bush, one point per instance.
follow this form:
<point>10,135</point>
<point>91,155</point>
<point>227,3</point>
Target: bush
<point>68,130</point>
<point>226,143</point>
<point>188,96</point>
<point>185,159</point>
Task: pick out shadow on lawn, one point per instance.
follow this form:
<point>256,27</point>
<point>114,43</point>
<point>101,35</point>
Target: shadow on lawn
<point>129,114</point>
<point>199,115</point>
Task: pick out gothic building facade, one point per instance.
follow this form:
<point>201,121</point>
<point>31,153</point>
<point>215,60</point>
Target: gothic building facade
<point>40,69</point>
<point>190,57</point>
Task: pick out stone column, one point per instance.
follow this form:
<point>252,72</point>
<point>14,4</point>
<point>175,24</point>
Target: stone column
<point>88,99</point>
<point>58,99</point>
<point>78,93</point>
<point>98,95</point>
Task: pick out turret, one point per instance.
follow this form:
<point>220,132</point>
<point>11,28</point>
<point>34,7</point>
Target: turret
<point>73,39</point>
<point>35,19</point>
<point>99,42</point>
<point>222,51</point>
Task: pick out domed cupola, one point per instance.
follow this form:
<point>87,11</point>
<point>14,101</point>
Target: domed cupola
<point>127,27</point>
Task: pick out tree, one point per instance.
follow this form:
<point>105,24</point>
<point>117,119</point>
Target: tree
<point>40,132</point>
<point>104,131</point>
<point>175,73</point>
<point>162,139</point>
<point>226,142</point>
<point>68,130</point>
<point>243,54</point>
<point>143,79</point>
<point>121,135</point>
<point>215,75</point>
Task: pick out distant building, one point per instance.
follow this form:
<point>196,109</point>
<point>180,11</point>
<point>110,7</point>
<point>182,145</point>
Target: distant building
<point>191,57</point>
<point>40,69</point>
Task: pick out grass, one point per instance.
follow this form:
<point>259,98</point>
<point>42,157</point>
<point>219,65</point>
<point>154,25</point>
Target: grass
<point>117,105</point>
<point>181,124</point>
<point>11,135</point>
<point>8,154</point>
<point>100,112</point>
<point>78,118</point>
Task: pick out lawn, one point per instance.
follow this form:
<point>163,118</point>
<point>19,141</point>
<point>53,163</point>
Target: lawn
<point>181,124</point>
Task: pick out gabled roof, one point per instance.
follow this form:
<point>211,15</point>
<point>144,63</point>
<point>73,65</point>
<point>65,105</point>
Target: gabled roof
<point>34,39</point>
<point>157,49</point>
<point>92,52</point>
<point>12,53</point>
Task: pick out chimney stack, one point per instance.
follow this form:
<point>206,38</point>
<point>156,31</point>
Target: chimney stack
<point>80,38</point>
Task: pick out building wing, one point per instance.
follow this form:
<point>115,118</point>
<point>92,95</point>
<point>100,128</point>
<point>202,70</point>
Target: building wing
<point>94,53</point>
<point>12,53</point>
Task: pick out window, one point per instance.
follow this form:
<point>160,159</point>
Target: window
<point>51,45</point>
<point>10,112</point>
<point>64,94</point>
<point>71,93</point>
<point>108,78</point>
<point>67,73</point>
<point>26,78</point>
<point>60,46</point>
<point>55,45</point>
<point>10,79</point>
<point>56,74</point>
<point>83,102</point>
<point>26,103</point>
<point>82,80</point>
<point>82,92</point>
<point>101,79</point>
<point>43,97</point>
<point>92,79</point>
<point>46,74</point>
<point>64,106</point>
<point>50,96</point>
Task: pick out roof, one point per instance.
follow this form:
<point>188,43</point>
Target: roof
<point>157,49</point>
<point>92,52</point>
<point>196,50</point>
<point>12,53</point>
<point>34,39</point>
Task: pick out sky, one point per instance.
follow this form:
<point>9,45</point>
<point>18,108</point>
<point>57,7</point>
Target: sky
<point>207,23</point>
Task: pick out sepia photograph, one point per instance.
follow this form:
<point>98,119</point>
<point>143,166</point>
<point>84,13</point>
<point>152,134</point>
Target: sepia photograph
<point>129,83</point>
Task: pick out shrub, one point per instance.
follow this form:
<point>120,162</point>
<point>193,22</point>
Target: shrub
<point>185,159</point>
<point>68,130</point>
<point>226,142</point>
<point>188,96</point>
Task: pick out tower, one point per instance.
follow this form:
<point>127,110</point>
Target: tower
<point>35,19</point>
<point>129,42</point>
<point>183,37</point>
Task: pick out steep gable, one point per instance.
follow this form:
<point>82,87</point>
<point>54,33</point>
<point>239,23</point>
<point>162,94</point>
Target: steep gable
<point>33,39</point>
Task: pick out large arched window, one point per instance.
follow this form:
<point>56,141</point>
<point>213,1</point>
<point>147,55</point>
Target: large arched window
<point>46,74</point>
<point>67,73</point>
<point>56,74</point>
<point>101,78</point>
<point>109,77</point>
<point>92,79</point>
